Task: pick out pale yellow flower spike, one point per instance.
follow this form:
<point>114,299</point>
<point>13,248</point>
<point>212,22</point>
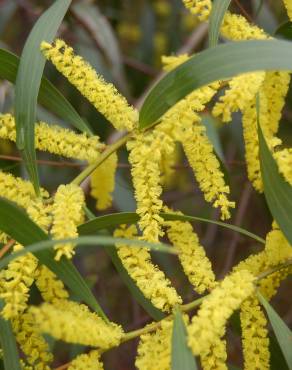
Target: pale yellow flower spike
<point>288,5</point>
<point>255,340</point>
<point>192,256</point>
<point>90,361</point>
<point>104,96</point>
<point>15,283</point>
<point>145,159</point>
<point>51,288</point>
<point>216,357</point>
<point>200,8</point>
<point>74,323</point>
<point>284,160</point>
<point>150,280</point>
<point>56,140</point>
<point>67,211</point>
<point>103,182</point>
<point>31,342</point>
<point>208,326</point>
<point>170,62</point>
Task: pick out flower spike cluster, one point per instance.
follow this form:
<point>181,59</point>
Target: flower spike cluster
<point>90,361</point>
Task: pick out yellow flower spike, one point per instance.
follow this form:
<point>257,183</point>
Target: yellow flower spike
<point>103,182</point>
<point>200,8</point>
<point>216,357</point>
<point>67,211</point>
<point>90,361</point>
<point>104,96</point>
<point>32,344</point>
<point>145,159</point>
<point>56,140</point>
<point>170,62</point>
<point>74,323</point>
<point>168,172</point>
<point>284,160</point>
<point>51,288</point>
<point>242,90</point>
<point>15,283</point>
<point>149,279</point>
<point>208,326</point>
<point>192,256</point>
<point>255,340</point>
<point>288,6</point>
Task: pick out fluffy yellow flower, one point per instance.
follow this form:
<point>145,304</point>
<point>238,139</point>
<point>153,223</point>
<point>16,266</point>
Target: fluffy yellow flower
<point>255,339</point>
<point>32,344</point>
<point>242,90</point>
<point>90,361</point>
<point>215,358</point>
<point>104,96</point>
<point>284,160</point>
<point>51,288</point>
<point>200,8</point>
<point>15,283</point>
<point>149,279</point>
<point>67,211</point>
<point>103,182</point>
<point>74,323</point>
<point>192,256</point>
<point>170,62</point>
<point>145,158</point>
<point>288,5</point>
<point>56,140</point>
<point>208,326</point>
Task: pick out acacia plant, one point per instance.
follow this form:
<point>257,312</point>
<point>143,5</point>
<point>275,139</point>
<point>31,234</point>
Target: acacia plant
<point>40,230</point>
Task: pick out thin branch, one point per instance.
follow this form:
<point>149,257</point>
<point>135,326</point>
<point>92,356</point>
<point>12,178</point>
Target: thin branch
<point>6,247</point>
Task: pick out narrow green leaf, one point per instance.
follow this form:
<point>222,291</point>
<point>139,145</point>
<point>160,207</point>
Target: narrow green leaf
<point>219,8</point>
<point>111,220</point>
<point>278,192</point>
<point>181,355</point>
<point>218,63</point>
<point>49,96</point>
<point>281,330</point>
<point>16,223</point>
<point>285,30</point>
<point>28,82</point>
<point>8,344</point>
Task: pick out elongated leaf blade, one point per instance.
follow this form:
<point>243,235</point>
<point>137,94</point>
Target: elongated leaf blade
<point>28,82</point>
<point>278,192</point>
<point>181,355</point>
<point>8,344</point>
<point>49,96</point>
<point>281,330</point>
<point>219,8</point>
<point>285,30</point>
<point>218,63</point>
<point>20,227</point>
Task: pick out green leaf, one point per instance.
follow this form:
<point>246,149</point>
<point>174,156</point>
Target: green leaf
<point>181,355</point>
<point>111,220</point>
<point>278,192</point>
<point>16,223</point>
<point>8,344</point>
<point>285,30</point>
<point>218,63</point>
<point>281,330</point>
<point>28,81</point>
<point>219,8</point>
<point>49,96</point>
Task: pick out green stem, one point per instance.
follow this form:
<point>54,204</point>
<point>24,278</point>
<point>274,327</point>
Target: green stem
<point>111,149</point>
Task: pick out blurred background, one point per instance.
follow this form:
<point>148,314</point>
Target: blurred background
<point>124,41</point>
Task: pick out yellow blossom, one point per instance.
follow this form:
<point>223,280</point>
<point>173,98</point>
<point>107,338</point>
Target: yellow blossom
<point>15,283</point>
<point>255,339</point>
<point>56,140</point>
<point>104,96</point>
<point>284,160</point>
<point>51,288</point>
<point>74,323</point>
<point>129,31</point>
<point>32,344</point>
<point>90,361</point>
<point>103,182</point>
<point>200,8</point>
<point>170,62</point>
<point>67,211</point>
<point>192,256</point>
<point>149,279</point>
<point>168,172</point>
<point>162,8</point>
<point>215,358</point>
<point>288,5</point>
<point>208,326</point>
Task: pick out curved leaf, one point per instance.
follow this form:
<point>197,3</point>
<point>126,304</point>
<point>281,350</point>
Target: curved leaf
<point>219,8</point>
<point>213,64</point>
<point>28,81</point>
<point>49,96</point>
